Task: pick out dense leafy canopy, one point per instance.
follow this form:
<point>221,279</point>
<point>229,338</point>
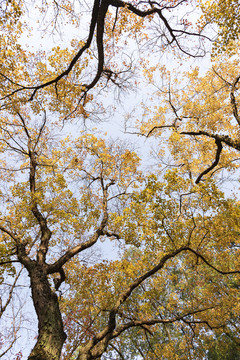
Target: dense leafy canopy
<point>171,288</point>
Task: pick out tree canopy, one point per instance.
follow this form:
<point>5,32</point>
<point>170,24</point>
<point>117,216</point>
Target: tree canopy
<point>170,289</point>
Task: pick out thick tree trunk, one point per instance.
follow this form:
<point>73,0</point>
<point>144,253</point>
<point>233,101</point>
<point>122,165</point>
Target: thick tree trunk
<point>50,326</point>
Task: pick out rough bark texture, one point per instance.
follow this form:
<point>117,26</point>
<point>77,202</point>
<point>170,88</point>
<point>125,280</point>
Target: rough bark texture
<point>51,335</point>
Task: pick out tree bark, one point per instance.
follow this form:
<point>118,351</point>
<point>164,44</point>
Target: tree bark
<point>51,335</point>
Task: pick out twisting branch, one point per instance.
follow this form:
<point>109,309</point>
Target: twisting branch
<point>219,139</point>
<point>233,100</point>
<point>45,231</point>
<point>100,31</point>
<point>215,162</point>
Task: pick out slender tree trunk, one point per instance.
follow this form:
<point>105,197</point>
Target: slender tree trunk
<point>50,326</point>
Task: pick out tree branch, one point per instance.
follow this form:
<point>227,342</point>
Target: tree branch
<point>233,100</point>
<point>45,231</point>
<point>134,323</point>
<point>3,308</point>
<point>235,144</point>
<point>215,162</point>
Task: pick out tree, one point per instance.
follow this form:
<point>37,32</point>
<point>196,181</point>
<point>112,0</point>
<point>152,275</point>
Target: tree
<point>167,312</point>
<point>65,78</point>
<point>62,195</point>
<point>35,207</point>
<point>50,218</point>
<point>206,127</point>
